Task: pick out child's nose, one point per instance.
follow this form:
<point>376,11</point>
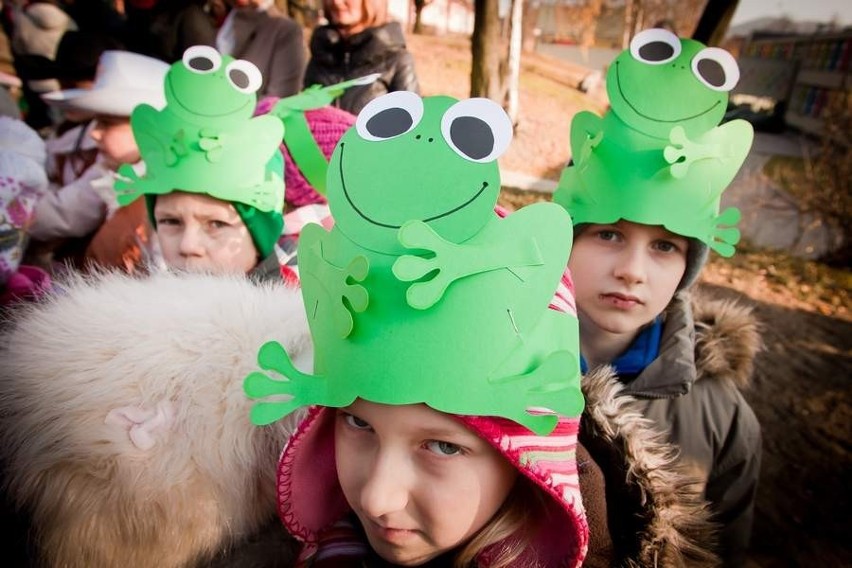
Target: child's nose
<point>631,266</point>
<point>386,490</point>
<point>190,242</point>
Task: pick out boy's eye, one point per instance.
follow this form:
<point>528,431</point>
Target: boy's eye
<point>606,235</point>
<point>168,221</point>
<point>666,246</point>
<point>443,448</point>
<point>219,224</point>
<point>356,422</point>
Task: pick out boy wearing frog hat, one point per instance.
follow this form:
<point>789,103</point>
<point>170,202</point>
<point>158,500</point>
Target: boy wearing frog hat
<point>213,174</point>
<point>643,192</point>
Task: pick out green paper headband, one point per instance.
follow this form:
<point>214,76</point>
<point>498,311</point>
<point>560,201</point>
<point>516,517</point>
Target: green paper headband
<point>205,139</point>
<point>657,157</point>
<point>420,293</point>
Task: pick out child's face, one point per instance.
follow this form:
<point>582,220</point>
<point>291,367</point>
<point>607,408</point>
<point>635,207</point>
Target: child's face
<point>419,481</point>
<point>625,274</point>
<point>115,140</point>
<point>203,234</point>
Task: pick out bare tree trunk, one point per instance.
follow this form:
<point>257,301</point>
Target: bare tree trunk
<point>516,33</point>
<point>530,17</point>
<point>418,13</point>
<point>486,51</point>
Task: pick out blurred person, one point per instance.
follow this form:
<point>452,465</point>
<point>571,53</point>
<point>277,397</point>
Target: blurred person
<point>359,40</point>
<point>22,181</point>
<point>256,31</point>
<point>80,209</point>
<point>166,28</point>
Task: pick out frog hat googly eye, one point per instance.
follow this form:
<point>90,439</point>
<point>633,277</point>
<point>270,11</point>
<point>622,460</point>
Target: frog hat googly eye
<point>420,293</point>
<point>205,139</point>
<point>659,156</point>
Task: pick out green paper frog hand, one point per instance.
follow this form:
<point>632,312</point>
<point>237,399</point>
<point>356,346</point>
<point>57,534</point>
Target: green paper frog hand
<point>546,387</point>
<point>128,185</point>
<point>317,96</point>
<point>683,152</point>
<point>448,262</point>
<point>296,391</point>
<point>587,132</point>
<point>328,285</point>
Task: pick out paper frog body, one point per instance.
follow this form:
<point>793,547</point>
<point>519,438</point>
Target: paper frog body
<point>205,139</point>
<point>419,282</point>
<point>657,156</point>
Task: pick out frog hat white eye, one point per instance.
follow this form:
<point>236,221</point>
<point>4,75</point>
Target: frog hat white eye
<point>389,116</point>
<point>716,68</point>
<point>244,76</point>
<point>202,59</point>
<point>655,46</point>
<point>478,130</point>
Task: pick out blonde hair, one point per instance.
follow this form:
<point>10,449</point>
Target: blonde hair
<point>373,12</point>
<point>513,526</point>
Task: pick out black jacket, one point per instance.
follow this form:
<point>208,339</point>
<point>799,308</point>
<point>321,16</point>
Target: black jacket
<point>375,50</point>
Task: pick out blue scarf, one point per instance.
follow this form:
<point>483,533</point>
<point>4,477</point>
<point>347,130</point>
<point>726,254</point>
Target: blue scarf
<point>644,349</point>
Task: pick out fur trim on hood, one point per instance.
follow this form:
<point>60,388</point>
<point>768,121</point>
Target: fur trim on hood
<point>123,423</point>
<point>727,339</point>
<point>656,513</point>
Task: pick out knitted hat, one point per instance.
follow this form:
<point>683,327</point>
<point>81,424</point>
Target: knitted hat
<point>657,157</point>
<point>421,294</point>
<point>23,180</point>
<point>205,141</point>
<point>327,125</point>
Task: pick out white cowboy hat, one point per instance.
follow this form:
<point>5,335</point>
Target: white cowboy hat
<point>123,80</point>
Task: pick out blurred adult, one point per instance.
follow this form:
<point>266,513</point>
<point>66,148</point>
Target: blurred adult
<point>357,41</point>
<point>164,29</point>
<point>256,31</point>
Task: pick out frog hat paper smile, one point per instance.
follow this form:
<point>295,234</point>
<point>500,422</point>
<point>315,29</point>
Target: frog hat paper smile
<point>205,139</point>
<point>420,293</point>
<point>658,156</point>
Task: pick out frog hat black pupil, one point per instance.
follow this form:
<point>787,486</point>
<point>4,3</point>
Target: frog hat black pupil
<point>472,136</point>
<point>201,63</point>
<point>656,51</point>
<point>389,123</point>
<point>239,78</point>
<point>712,72</point>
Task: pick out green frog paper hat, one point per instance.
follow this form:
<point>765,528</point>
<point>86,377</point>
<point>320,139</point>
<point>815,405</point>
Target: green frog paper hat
<point>205,139</point>
<point>658,156</point>
<point>420,293</point>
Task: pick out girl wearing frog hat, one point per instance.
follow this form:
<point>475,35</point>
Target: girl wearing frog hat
<point>439,431</point>
<point>644,192</point>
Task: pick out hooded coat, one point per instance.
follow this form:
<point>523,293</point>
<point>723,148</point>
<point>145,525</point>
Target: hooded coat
<point>125,437</point>
<point>691,391</point>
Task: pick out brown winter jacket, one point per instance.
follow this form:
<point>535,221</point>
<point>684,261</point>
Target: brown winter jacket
<point>691,391</point>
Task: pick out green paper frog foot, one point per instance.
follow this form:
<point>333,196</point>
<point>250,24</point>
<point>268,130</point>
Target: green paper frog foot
<point>212,143</point>
<point>128,185</point>
<point>419,235</point>
<point>290,394</point>
<point>725,235</point>
<point>552,387</point>
<point>589,146</point>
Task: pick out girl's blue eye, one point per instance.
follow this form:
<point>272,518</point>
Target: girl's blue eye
<point>443,448</point>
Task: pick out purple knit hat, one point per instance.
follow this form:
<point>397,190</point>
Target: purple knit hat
<point>327,125</point>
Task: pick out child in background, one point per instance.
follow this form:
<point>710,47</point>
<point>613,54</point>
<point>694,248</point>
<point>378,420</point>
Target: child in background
<point>81,208</point>
<point>644,192</point>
